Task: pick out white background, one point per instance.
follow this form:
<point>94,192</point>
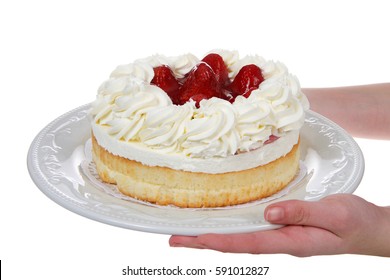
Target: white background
<point>55,54</point>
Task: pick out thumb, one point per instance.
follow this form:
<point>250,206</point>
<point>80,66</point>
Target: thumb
<point>296,212</point>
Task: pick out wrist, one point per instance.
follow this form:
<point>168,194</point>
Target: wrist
<point>383,229</point>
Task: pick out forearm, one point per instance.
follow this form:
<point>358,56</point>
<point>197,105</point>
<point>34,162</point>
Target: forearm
<point>386,231</point>
<point>379,242</point>
<point>364,111</point>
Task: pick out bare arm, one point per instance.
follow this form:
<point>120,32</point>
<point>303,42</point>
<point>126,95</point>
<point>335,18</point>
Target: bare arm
<point>364,111</point>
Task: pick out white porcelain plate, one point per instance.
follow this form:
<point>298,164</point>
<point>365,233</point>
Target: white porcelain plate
<point>59,164</point>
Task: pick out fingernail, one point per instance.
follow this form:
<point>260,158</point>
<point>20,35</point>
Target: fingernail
<point>189,245</point>
<point>274,214</point>
<point>176,245</point>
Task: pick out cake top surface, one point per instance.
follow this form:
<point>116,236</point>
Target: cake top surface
<point>200,108</point>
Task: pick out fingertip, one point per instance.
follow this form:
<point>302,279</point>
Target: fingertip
<point>297,212</point>
<point>287,212</point>
<point>274,214</point>
<point>184,241</point>
<point>180,241</point>
<point>174,241</point>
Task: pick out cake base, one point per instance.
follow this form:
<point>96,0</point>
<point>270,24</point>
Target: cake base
<point>165,186</point>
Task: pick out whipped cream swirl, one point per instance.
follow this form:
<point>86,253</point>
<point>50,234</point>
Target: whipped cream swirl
<point>133,111</point>
<point>211,132</point>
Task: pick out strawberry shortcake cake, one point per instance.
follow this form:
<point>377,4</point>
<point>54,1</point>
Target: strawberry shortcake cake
<point>189,132</point>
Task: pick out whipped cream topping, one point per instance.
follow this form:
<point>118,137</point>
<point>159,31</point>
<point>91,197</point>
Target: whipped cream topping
<point>130,112</point>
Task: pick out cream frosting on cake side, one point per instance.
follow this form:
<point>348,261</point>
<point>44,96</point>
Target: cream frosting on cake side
<point>214,165</point>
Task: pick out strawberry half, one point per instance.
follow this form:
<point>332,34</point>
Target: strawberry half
<point>248,79</point>
<point>272,138</point>
<point>215,61</point>
<point>200,84</point>
<point>164,79</point>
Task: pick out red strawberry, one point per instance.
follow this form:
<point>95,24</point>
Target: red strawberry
<point>248,78</point>
<point>200,84</point>
<point>164,79</point>
<point>216,63</point>
<point>272,138</point>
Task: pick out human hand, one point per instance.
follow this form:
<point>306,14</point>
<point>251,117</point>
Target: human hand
<point>337,224</point>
